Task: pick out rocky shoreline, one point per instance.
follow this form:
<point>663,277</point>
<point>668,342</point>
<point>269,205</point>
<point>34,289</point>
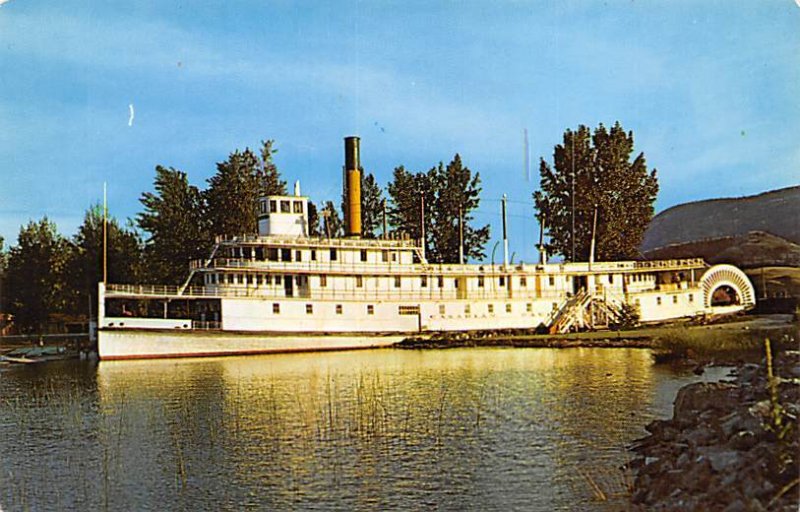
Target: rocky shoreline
<point>730,446</point>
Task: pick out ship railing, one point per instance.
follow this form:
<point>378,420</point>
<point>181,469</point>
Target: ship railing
<point>343,295</point>
<point>327,267</point>
<point>279,240</point>
<point>670,264</point>
<point>206,325</point>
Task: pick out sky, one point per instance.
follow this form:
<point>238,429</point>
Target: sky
<point>94,92</point>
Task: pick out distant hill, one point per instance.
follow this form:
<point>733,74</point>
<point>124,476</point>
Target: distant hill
<point>776,212</point>
<point>754,249</point>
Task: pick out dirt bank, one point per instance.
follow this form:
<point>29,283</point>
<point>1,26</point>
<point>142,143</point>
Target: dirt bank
<point>730,446</point>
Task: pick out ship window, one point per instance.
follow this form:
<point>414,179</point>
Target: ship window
<point>333,254</point>
<point>259,280</point>
<point>441,309</point>
<point>267,279</point>
<point>285,207</point>
<point>490,308</point>
<point>276,308</point>
<point>552,281</point>
<point>508,308</point>
<point>263,206</point>
<point>440,281</point>
<point>502,280</point>
<point>249,278</point>
<point>658,301</point>
<point>309,309</point>
<point>523,282</point>
<point>240,278</point>
<point>674,299</point>
<point>480,281</point>
<point>278,280</point>
<point>466,309</point>
<point>611,279</point>
<point>359,281</point>
<point>298,255</point>
<point>273,206</point>
<point>455,283</point>
<point>260,253</point>
<point>272,254</point>
<point>384,256</point>
<point>323,281</point>
<point>423,281</point>
<point>408,310</point>
<point>313,255</point>
<point>691,297</point>
<point>397,281</point>
<point>370,309</point>
<point>529,307</point>
<point>363,255</point>
<point>229,278</point>
<point>286,255</point>
<point>298,206</point>
<point>338,309</point>
<point>394,256</point>
<point>298,280</point>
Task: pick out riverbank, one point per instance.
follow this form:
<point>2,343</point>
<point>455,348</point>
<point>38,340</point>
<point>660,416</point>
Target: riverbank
<point>685,340</point>
<point>730,445</point>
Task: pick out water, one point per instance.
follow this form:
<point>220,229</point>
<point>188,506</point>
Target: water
<point>475,429</point>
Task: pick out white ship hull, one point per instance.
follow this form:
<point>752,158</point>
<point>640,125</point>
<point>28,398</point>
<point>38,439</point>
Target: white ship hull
<point>116,344</point>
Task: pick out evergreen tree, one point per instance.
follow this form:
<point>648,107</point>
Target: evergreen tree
<point>313,220</point>
<point>406,191</point>
<point>3,257</point>
<point>271,182</point>
<point>176,225</point>
<point>85,268</point>
<point>445,190</point>
<point>371,206</point>
<point>233,192</point>
<point>332,225</point>
<point>35,282</point>
<point>232,195</point>
<point>596,171</point>
<point>456,189</point>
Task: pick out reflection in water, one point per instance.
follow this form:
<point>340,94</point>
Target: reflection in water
<point>451,429</point>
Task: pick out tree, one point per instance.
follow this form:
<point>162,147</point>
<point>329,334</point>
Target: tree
<point>177,228</point>
<point>35,280</point>
<point>446,189</point>
<point>3,256</point>
<point>233,192</point>
<point>313,220</point>
<point>332,225</point>
<point>271,183</point>
<point>371,206</point>
<point>595,171</point>
<point>456,190</point>
<point>85,268</point>
<point>406,191</point>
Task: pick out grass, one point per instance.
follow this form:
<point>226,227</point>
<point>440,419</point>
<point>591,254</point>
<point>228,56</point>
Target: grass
<point>688,343</point>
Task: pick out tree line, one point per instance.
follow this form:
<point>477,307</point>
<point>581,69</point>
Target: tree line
<point>49,276</point>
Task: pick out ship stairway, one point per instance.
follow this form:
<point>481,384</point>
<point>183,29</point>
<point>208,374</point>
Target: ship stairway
<point>603,314</point>
<point>572,313</point>
<point>206,264</point>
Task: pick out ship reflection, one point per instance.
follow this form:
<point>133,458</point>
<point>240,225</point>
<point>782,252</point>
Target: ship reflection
<point>387,428</point>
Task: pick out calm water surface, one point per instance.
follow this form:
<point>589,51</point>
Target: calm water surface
<point>475,429</point>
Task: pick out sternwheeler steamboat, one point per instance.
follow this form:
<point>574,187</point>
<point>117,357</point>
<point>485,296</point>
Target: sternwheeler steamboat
<point>283,290</point>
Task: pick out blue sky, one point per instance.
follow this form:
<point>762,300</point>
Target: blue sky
<point>710,90</point>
